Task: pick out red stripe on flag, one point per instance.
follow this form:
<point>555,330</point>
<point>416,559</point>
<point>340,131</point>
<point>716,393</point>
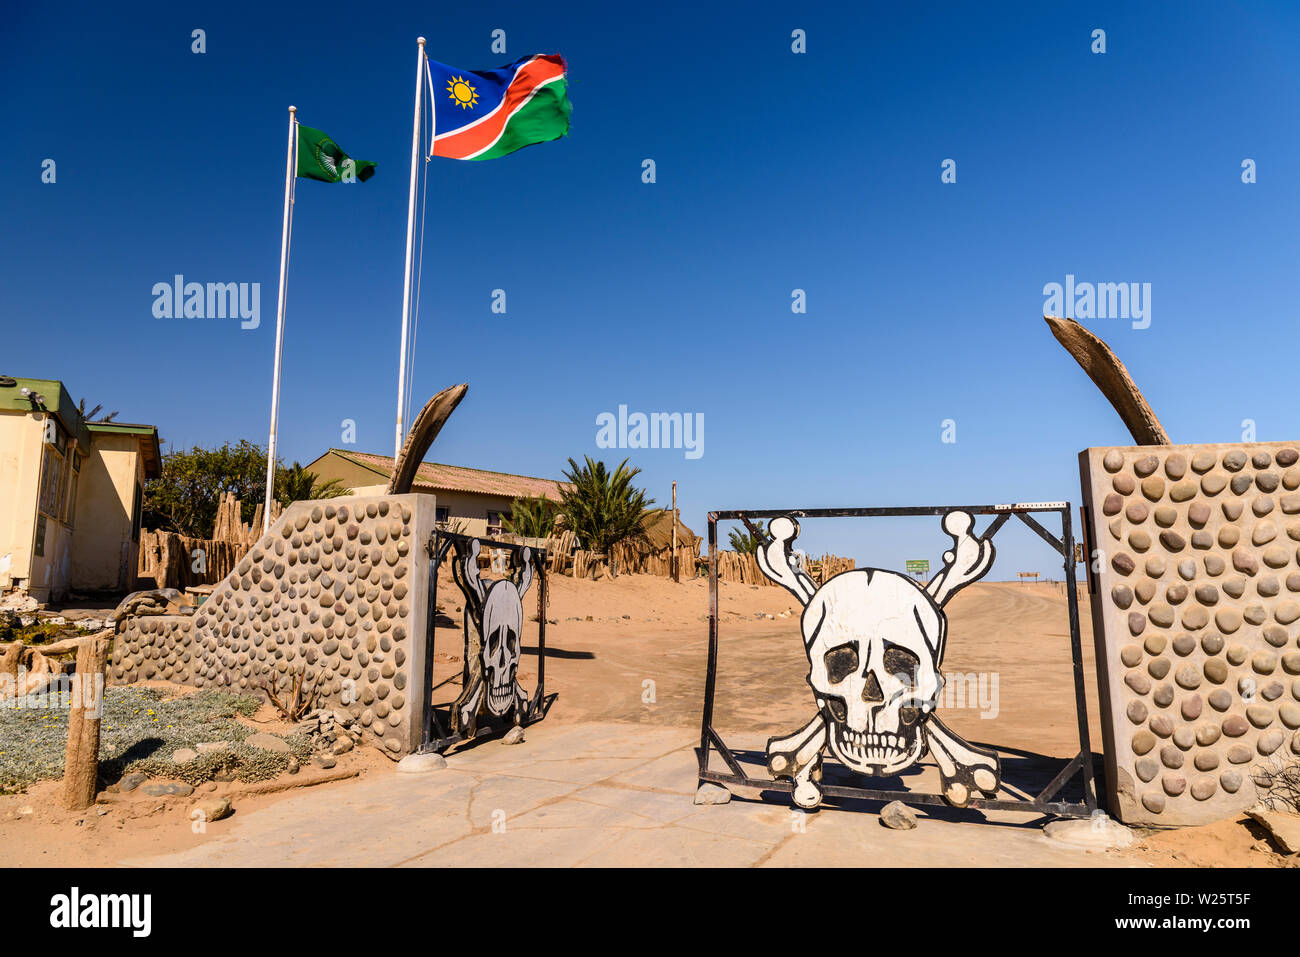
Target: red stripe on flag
<point>485,131</point>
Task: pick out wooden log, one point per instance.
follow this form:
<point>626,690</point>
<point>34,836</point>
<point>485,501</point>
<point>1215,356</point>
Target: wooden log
<point>81,763</point>
<point>65,647</point>
<point>1110,376</point>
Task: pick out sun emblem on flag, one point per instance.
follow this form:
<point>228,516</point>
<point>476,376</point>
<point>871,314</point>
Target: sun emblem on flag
<point>464,94</point>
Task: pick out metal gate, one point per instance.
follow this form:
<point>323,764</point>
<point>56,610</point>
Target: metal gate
<point>493,624</point>
<point>971,774</point>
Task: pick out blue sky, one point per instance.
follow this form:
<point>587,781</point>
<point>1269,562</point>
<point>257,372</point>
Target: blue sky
<point>775,171</point>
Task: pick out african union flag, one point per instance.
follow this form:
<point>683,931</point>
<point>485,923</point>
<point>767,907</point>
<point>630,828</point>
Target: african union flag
<point>485,114</point>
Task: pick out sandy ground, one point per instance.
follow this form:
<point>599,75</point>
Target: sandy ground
<point>626,659</point>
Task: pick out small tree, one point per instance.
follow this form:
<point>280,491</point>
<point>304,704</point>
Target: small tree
<point>744,542</point>
<point>601,507</point>
<point>532,517</point>
<point>186,495</point>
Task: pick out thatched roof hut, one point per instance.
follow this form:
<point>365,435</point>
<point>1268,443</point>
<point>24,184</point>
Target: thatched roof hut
<point>659,531</point>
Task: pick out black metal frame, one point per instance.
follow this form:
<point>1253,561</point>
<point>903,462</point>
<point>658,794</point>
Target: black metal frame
<point>1041,802</point>
<point>438,736</point>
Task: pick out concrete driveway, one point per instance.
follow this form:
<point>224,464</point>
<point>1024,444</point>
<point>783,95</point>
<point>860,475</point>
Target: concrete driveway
<point>596,794</point>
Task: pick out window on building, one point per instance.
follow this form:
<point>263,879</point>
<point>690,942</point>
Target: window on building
<point>52,487</point>
<point>494,523</point>
<point>442,515</point>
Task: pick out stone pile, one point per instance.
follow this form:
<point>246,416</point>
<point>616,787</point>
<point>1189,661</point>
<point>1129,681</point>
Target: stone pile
<point>331,730</point>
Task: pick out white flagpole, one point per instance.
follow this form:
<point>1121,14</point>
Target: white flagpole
<point>290,177</point>
<point>410,247</point>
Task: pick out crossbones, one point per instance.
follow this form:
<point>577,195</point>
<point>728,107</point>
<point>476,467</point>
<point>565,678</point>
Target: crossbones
<point>875,641</point>
<point>495,609</point>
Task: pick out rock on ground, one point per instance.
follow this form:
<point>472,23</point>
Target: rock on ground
<point>514,736</point>
<point>712,794</point>
<point>897,816</point>
<point>184,755</point>
<point>1284,827</point>
<point>213,809</point>
<point>1099,831</point>
<point>163,790</point>
<point>421,763</point>
<point>267,742</point>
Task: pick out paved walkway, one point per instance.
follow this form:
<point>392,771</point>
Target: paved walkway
<point>594,794</point>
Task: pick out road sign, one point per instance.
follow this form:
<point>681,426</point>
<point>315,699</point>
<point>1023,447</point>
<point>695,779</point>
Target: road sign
<point>918,566</point>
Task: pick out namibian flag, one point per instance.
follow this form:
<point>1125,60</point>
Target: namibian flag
<point>485,114</point>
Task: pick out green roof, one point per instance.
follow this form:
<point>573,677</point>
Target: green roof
<point>55,400</point>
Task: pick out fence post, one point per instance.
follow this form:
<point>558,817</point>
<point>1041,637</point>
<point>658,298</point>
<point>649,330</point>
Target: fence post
<point>81,761</point>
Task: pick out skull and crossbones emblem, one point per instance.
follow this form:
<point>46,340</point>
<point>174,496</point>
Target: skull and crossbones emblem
<point>494,612</point>
<point>875,642</point>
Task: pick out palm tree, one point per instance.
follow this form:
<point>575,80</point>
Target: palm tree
<point>295,484</point>
<point>532,517</point>
<point>744,542</point>
<point>601,507</point>
<point>90,416</point>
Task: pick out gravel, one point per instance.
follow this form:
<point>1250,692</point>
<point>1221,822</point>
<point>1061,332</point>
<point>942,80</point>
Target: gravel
<point>140,733</point>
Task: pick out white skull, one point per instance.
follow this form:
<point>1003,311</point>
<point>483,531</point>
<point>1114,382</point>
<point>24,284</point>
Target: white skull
<point>874,641</point>
<point>503,620</point>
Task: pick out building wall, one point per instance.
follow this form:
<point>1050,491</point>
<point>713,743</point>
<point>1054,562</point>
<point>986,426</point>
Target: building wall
<point>86,547</point>
<point>352,476</point>
<point>20,448</point>
<point>22,452</point>
<point>103,552</point>
<point>468,509</point>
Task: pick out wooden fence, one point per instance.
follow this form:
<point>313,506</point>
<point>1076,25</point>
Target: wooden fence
<point>743,567</point>
<point>565,558</point>
<point>178,561</point>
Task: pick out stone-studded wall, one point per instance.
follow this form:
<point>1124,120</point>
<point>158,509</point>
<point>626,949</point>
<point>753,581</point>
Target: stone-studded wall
<point>336,589</point>
<point>1196,614</point>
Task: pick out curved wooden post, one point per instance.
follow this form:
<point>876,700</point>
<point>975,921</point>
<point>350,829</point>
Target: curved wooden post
<point>425,429</point>
<point>1110,376</point>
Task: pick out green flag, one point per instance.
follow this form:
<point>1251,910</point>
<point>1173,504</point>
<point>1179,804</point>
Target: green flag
<point>319,157</point>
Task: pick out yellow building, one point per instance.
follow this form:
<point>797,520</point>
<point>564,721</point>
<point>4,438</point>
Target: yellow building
<point>472,501</point>
<point>70,493</point>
